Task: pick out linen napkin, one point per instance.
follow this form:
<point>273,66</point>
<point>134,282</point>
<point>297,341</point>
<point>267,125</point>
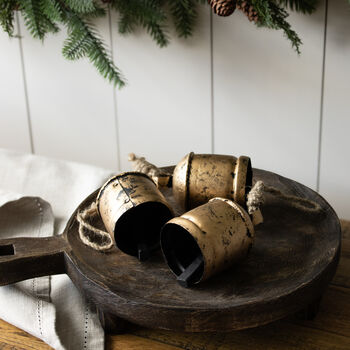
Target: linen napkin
<point>37,197</point>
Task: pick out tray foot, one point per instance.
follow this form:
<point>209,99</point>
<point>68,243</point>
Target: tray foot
<point>310,312</point>
<point>111,323</point>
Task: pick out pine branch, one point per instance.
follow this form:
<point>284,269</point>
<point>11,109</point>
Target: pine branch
<point>81,6</point>
<point>52,9</point>
<point>7,9</point>
<point>35,20</point>
<point>303,6</point>
<point>129,15</point>
<point>126,23</point>
<point>84,41</point>
<point>278,17</point>
<point>272,16</point>
<point>157,32</point>
<point>185,15</point>
<point>146,13</point>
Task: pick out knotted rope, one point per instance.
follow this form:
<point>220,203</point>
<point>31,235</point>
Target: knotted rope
<point>159,176</point>
<point>92,236</point>
<point>143,166</point>
<point>255,199</point>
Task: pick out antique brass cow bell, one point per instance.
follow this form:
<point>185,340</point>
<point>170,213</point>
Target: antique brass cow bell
<point>133,211</point>
<point>206,240</point>
<point>200,177</point>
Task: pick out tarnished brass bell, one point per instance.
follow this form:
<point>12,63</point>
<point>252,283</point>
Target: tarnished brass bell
<point>206,240</point>
<point>200,177</point>
<point>133,211</point>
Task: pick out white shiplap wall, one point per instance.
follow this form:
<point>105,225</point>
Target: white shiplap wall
<point>71,107</point>
<point>267,98</point>
<point>335,138</point>
<point>231,88</point>
<point>14,126</point>
<point>165,111</point>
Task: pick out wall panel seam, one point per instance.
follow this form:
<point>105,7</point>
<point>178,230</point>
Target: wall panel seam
<point>25,86</point>
<point>322,99</point>
<point>114,89</point>
<point>212,121</point>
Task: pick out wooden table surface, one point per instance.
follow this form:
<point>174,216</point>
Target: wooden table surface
<point>329,330</point>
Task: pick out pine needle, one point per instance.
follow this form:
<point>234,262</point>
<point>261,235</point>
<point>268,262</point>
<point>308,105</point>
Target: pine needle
<point>148,14</point>
<point>185,14</point>
<point>303,6</point>
<point>7,8</point>
<point>52,9</point>
<point>81,6</point>
<point>35,20</point>
<point>84,41</point>
<point>272,16</point>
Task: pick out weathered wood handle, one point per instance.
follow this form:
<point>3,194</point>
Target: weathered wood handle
<point>24,258</point>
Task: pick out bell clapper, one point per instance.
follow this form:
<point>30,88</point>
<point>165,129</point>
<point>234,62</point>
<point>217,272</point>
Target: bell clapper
<point>144,250</point>
<point>185,279</point>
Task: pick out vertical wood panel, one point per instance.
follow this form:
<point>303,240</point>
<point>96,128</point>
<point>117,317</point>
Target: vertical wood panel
<point>71,105</point>
<point>14,131</point>
<point>266,98</point>
<point>164,111</point>
<point>335,159</point>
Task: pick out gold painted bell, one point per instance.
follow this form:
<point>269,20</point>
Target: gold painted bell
<point>133,211</point>
<point>206,240</point>
<point>200,177</point>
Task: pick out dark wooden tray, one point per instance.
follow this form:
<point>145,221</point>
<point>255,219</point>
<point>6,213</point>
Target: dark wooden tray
<point>293,259</point>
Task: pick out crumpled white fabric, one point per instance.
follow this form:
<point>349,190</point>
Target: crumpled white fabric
<point>37,197</point>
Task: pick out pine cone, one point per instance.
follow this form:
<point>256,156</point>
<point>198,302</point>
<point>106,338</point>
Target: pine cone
<point>223,7</point>
<point>248,10</point>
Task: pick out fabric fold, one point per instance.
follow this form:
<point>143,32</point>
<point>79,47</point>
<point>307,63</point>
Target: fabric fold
<point>50,307</point>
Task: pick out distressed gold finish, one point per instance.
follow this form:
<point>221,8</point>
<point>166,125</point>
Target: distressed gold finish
<point>133,211</point>
<point>200,177</point>
<point>218,233</point>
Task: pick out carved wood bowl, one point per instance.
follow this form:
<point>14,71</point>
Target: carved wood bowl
<point>294,257</point>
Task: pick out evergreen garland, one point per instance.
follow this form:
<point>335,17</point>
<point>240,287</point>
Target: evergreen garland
<point>48,16</point>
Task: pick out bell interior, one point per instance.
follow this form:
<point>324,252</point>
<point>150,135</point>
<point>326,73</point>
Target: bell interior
<point>182,254</point>
<point>137,231</point>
